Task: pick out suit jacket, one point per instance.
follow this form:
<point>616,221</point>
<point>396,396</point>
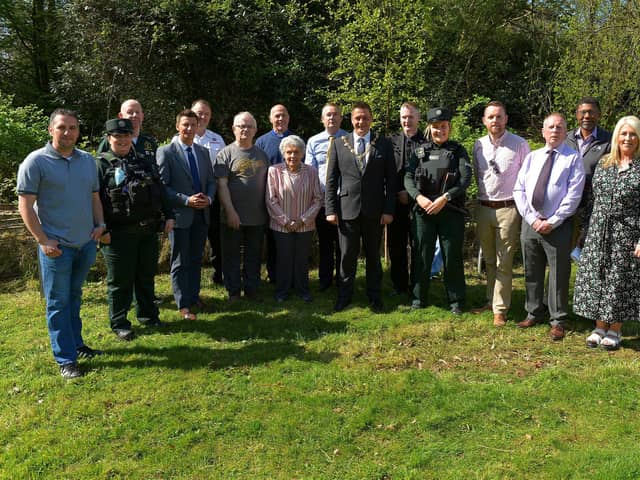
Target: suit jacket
<point>176,175</point>
<point>350,192</point>
<point>600,146</point>
<point>403,147</point>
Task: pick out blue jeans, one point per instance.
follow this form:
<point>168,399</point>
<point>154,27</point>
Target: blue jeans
<point>62,279</point>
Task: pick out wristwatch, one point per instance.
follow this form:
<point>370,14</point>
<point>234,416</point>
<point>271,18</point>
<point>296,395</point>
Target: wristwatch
<point>447,195</point>
<point>101,225</point>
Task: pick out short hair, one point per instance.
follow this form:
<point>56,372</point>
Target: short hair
<point>245,114</point>
<point>555,114</point>
<point>330,104</point>
<point>361,106</point>
<point>497,104</point>
<point>63,111</point>
<point>410,105</point>
<point>187,112</point>
<point>589,101</point>
<point>294,140</point>
<point>613,158</point>
<point>202,101</point>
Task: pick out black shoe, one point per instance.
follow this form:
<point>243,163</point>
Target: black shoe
<point>217,279</point>
<point>341,304</point>
<point>88,352</point>
<point>324,287</point>
<point>125,334</point>
<point>280,299</point>
<point>70,370</point>
<point>398,291</point>
<point>152,322</point>
<point>376,306</point>
<point>253,296</point>
<point>306,298</point>
<point>157,300</point>
<point>456,310</point>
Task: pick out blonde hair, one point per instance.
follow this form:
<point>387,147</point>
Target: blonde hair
<point>613,158</point>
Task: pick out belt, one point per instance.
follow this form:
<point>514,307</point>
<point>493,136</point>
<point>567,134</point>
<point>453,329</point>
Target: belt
<point>498,204</point>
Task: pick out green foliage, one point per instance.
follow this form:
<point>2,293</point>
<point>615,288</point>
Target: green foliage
<point>604,59</point>
<point>22,130</point>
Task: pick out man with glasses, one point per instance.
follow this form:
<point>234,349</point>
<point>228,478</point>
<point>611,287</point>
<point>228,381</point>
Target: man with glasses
<point>241,173</point>
<point>497,158</point>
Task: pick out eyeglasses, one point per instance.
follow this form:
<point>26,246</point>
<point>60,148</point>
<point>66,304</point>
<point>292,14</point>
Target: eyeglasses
<point>244,127</point>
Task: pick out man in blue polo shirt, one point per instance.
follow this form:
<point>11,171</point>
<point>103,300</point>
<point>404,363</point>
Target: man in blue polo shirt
<point>270,144</point>
<point>59,202</point>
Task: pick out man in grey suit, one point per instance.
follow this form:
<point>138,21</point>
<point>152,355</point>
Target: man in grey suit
<point>593,143</point>
<point>360,199</point>
<point>187,172</point>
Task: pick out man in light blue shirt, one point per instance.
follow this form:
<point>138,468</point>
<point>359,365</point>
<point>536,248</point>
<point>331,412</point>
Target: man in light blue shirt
<point>59,202</point>
<point>547,193</point>
<point>316,155</point>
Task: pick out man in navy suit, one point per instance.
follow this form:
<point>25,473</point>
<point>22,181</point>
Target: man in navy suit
<point>187,172</point>
<point>360,198</point>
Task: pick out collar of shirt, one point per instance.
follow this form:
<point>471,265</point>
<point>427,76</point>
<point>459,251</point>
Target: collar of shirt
<point>498,141</point>
<point>592,136</point>
<point>367,139</point>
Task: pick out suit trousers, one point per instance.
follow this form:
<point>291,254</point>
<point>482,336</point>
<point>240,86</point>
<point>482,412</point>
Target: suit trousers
<point>329,250</point>
<point>538,251</point>
<point>398,239</point>
<point>498,231</point>
<point>350,234</point>
<point>241,251</point>
<point>292,267</point>
<point>187,247</point>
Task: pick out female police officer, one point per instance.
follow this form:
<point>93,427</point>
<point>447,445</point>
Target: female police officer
<point>134,200</point>
<point>437,177</point>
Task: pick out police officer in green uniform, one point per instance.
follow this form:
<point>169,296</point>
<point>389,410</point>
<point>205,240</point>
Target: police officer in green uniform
<point>136,207</point>
<point>437,177</point>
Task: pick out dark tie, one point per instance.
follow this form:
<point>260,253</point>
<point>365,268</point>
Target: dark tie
<point>541,185</point>
<point>361,152</point>
<point>194,171</point>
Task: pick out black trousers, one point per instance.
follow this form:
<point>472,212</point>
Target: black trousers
<point>214,240</point>
<point>398,239</point>
<point>351,232</point>
<point>329,250</point>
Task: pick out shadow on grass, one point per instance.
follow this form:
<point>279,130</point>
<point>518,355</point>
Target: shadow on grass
<point>250,325</point>
<point>190,358</point>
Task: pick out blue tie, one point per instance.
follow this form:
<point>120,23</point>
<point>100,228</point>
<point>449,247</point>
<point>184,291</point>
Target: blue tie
<point>194,171</point>
<point>363,160</point>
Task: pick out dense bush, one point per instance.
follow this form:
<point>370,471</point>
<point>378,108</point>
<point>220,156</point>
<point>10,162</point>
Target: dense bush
<point>22,129</point>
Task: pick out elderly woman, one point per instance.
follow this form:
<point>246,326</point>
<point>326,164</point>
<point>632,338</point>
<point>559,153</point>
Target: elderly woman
<point>437,177</point>
<point>608,278</point>
<point>293,198</point>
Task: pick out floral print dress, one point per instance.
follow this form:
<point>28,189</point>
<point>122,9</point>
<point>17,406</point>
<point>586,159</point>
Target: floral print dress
<point>607,285</point>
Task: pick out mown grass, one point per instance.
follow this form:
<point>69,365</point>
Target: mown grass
<point>261,391</point>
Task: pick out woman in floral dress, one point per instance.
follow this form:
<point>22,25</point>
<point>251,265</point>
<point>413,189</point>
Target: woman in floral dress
<point>607,287</point>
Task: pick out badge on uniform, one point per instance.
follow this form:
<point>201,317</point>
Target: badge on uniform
<point>419,151</point>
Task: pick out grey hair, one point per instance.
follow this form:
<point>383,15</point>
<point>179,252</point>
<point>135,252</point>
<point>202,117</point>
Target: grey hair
<point>294,140</point>
<point>244,114</point>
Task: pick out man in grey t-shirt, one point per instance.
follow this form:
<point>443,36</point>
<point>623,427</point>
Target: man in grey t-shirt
<point>241,172</point>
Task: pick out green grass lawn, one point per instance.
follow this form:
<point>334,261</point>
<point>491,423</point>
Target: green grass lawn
<point>264,391</point>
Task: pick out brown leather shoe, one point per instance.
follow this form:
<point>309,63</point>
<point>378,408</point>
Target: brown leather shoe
<point>528,323</point>
<point>499,319</point>
<point>557,332</point>
<point>485,308</point>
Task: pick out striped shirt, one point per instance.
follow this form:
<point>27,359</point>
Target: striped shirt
<point>291,196</point>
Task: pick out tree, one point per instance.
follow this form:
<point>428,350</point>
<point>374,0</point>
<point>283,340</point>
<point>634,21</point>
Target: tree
<point>22,130</point>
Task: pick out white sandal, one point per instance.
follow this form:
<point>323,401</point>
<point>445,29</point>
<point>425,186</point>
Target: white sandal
<point>611,341</point>
<point>595,338</point>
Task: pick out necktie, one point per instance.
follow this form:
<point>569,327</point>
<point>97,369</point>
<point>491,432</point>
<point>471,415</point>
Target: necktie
<point>195,178</point>
<point>541,185</point>
<point>360,152</point>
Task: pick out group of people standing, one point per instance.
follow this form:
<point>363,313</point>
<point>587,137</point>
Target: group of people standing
<point>347,187</point>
